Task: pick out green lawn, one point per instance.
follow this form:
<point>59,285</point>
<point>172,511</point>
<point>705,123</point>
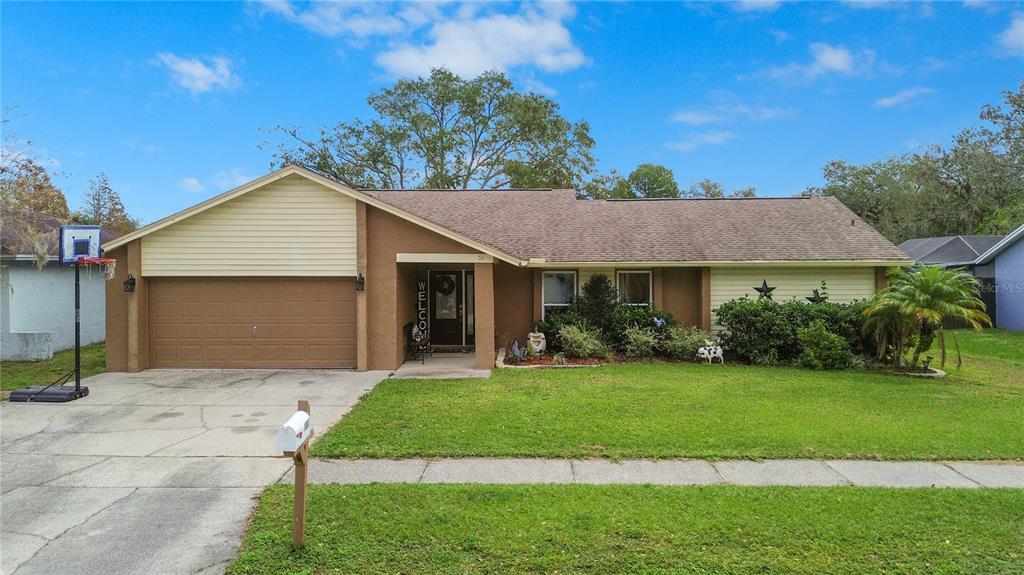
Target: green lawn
<point>19,374</point>
<point>637,529</point>
<point>695,410</point>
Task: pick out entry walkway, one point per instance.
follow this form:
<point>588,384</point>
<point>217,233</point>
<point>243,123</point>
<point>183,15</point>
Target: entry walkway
<point>799,472</point>
<point>441,365</point>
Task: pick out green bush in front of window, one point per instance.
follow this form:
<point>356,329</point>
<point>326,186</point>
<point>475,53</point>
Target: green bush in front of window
<point>639,342</point>
<point>580,342</point>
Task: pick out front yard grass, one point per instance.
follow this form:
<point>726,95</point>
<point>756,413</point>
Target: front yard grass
<point>19,374</point>
<point>633,529</point>
<point>694,410</point>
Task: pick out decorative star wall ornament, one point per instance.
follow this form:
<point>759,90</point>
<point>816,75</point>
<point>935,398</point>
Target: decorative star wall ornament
<point>816,298</point>
<point>764,290</point>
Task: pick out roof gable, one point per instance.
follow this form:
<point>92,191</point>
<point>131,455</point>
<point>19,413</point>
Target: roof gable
<point>339,187</point>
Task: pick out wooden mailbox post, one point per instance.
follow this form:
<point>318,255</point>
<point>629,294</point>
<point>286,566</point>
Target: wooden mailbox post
<point>293,440</point>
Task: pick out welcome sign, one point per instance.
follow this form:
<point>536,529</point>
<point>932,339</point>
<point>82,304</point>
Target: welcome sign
<point>421,305</point>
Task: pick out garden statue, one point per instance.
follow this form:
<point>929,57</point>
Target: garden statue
<point>537,342</point>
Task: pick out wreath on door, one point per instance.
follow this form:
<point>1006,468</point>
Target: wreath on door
<point>444,285</point>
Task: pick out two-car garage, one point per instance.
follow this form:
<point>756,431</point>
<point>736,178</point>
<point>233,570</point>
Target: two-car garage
<point>262,276</point>
<point>229,322</point>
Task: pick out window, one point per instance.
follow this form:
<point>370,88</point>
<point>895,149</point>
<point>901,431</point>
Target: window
<point>558,290</point>
<point>635,287</point>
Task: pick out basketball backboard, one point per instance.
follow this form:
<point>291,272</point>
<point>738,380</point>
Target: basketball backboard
<point>79,242</point>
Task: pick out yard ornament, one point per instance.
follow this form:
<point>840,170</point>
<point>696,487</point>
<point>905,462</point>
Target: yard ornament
<point>764,290</point>
<point>537,342</point>
<point>710,352</point>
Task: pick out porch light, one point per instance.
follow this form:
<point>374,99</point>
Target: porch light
<point>129,284</point>
<point>360,282</point>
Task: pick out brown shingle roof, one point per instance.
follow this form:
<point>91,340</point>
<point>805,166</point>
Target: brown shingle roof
<point>554,225</point>
<point>15,234</point>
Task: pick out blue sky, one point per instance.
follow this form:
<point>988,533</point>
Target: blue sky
<point>172,100</point>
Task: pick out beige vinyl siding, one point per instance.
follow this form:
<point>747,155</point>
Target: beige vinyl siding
<point>291,227</point>
<point>844,284</point>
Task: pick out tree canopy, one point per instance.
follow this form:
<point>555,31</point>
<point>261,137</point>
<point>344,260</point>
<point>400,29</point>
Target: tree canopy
<point>102,207</point>
<point>975,185</point>
<point>447,132</point>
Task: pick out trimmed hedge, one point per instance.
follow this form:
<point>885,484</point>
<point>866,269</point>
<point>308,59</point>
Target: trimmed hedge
<point>765,332</point>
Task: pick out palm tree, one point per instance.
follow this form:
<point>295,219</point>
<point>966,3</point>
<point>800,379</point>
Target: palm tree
<point>927,295</point>
<point>890,329</point>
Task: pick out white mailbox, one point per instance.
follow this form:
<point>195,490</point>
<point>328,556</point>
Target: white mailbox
<point>294,433</point>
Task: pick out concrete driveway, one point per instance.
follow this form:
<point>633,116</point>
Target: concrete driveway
<point>153,472</point>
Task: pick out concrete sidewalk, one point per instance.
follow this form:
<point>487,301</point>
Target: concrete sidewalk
<point>799,472</point>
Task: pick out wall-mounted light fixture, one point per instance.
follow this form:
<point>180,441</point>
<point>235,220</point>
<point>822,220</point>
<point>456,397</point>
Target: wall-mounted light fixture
<point>129,284</point>
<point>360,282</point>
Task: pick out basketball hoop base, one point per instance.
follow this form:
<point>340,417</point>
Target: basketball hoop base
<point>39,394</point>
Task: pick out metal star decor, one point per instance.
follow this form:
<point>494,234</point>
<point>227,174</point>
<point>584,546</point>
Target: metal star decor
<point>764,290</point>
<point>816,298</point>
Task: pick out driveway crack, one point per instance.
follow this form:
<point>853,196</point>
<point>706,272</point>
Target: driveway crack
<point>75,526</point>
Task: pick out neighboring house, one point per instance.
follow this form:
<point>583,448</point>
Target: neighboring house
<point>298,270</point>
<point>948,250</point>
<point>1007,259</point>
<point>959,252</point>
<point>37,306</point>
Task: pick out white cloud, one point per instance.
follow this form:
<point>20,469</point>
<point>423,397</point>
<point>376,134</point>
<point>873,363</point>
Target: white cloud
<point>141,146</point>
<point>902,97</point>
<point>203,74</point>
<point>694,141</point>
<point>191,185</point>
<point>825,59</point>
<point>728,113</point>
<point>230,178</point>
<point>756,5</point>
<point>467,38</point>
<point>473,45</point>
<point>1012,39</point>
<point>340,18</point>
<point>780,35</point>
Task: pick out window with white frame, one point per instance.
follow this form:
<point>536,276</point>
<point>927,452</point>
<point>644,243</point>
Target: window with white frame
<point>558,291</point>
<point>635,287</point>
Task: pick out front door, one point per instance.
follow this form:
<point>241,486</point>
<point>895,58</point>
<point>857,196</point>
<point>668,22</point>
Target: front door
<point>446,307</point>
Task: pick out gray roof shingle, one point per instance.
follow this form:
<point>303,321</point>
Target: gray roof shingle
<point>556,226</point>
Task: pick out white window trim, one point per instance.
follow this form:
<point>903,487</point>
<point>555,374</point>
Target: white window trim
<point>650,285</point>
<point>575,287</point>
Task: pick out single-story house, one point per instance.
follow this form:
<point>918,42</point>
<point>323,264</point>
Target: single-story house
<point>37,305</point>
<point>298,270</point>
<point>959,252</point>
<point>1007,260</point>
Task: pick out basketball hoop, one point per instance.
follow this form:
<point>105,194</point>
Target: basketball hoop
<point>109,265</point>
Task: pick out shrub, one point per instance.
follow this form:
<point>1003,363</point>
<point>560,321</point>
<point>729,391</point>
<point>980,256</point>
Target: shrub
<point>682,342</point>
<point>597,301</point>
<point>580,341</point>
<point>552,325</point>
<point>765,332</point>
<point>822,349</point>
<point>639,342</point>
<point>626,316</point>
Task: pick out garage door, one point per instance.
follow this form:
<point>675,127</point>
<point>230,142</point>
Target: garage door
<point>252,322</point>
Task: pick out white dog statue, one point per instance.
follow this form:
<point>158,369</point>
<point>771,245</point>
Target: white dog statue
<point>710,353</point>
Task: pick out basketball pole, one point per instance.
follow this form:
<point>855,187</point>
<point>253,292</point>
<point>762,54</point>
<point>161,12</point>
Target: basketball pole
<point>78,330</point>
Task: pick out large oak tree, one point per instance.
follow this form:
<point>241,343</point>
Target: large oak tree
<point>447,132</point>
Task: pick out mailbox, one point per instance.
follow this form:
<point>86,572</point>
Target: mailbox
<point>294,433</point>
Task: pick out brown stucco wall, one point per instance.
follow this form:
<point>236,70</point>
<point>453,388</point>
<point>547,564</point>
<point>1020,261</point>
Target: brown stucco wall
<point>127,313</point>
<point>681,294</point>
<point>483,301</point>
<point>513,302</point>
<point>881,278</point>
<point>117,313</point>
<point>386,300</point>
